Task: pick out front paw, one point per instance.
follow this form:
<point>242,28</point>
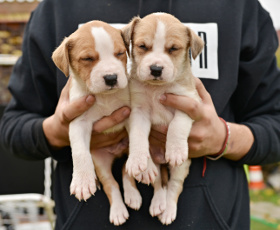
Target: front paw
<point>83,185</point>
<point>177,153</point>
<point>136,164</point>
<point>149,175</point>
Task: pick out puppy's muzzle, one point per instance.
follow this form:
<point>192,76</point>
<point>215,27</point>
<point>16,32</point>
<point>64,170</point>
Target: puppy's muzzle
<point>110,80</point>
<point>156,71</point>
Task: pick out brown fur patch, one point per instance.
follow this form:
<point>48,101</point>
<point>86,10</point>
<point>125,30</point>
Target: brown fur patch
<point>179,39</point>
<point>78,50</point>
<point>164,174</point>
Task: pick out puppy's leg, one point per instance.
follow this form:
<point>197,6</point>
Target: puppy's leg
<point>177,139</point>
<point>83,183</point>
<point>149,175</point>
<point>132,196</point>
<point>158,203</point>
<point>103,161</point>
<point>174,189</point>
<point>139,131</point>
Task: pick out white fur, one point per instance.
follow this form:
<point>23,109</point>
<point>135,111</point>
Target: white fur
<point>158,203</point>
<point>118,211</point>
<point>103,42</point>
<point>159,40</point>
<point>132,197</point>
<point>147,111</point>
<point>157,57</point>
<point>108,100</point>
<point>174,188</point>
<point>107,64</point>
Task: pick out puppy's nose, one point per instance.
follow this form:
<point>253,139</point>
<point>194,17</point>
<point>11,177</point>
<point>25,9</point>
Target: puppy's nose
<point>156,71</point>
<point>110,80</point>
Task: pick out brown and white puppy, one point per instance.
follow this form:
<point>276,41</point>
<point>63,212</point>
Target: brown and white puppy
<point>160,64</point>
<point>95,58</point>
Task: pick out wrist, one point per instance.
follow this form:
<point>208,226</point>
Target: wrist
<point>241,141</point>
<point>225,145</point>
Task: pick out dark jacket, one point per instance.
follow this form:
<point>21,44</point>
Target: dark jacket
<point>247,91</point>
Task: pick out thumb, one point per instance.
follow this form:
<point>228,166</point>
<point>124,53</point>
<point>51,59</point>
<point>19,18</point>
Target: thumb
<point>115,118</point>
<point>186,104</point>
<point>78,107</point>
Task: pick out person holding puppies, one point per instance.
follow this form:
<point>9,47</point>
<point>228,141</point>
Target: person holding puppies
<point>237,121</point>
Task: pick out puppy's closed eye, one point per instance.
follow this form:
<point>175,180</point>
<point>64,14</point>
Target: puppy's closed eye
<point>119,54</point>
<point>88,59</point>
<point>143,47</point>
<point>173,49</point>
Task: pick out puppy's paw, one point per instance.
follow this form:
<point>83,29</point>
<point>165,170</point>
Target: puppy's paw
<point>149,175</point>
<point>132,198</point>
<point>136,164</point>
<point>118,213</point>
<point>176,154</point>
<point>83,185</point>
<point>158,204</point>
<point>169,214</point>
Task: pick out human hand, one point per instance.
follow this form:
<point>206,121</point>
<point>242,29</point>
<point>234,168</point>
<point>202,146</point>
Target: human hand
<point>56,127</point>
<point>100,140</point>
<point>208,131</point>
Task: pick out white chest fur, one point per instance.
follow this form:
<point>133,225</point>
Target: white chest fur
<point>105,104</point>
<point>147,97</point>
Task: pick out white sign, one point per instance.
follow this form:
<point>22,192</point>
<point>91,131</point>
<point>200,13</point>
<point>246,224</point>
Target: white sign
<point>206,64</point>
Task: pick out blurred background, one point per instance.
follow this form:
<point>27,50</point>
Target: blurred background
<point>25,187</point>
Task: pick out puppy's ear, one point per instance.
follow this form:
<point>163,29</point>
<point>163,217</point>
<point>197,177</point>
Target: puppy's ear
<point>61,56</point>
<point>196,43</point>
<point>127,31</point>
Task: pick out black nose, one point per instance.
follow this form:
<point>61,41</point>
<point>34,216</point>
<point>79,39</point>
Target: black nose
<point>110,80</point>
<point>156,71</point>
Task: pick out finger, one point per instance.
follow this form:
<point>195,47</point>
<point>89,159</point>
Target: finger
<point>77,107</point>
<point>202,92</point>
<point>186,104</point>
<point>104,140</point>
<point>115,118</point>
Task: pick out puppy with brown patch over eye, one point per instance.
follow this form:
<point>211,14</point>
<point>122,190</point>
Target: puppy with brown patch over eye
<point>95,58</point>
<point>160,64</point>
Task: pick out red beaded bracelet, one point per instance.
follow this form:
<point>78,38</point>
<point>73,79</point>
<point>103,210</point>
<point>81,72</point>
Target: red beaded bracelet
<point>225,145</point>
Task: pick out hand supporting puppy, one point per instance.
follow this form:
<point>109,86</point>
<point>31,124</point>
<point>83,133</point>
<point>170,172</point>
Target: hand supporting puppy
<point>208,132</point>
<point>56,127</point>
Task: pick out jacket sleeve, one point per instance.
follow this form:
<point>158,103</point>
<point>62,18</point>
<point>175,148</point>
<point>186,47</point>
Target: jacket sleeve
<point>257,97</point>
<point>34,91</point>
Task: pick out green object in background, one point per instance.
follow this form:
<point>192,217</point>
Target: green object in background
<point>278,57</point>
<point>266,221</point>
<point>246,169</point>
<point>260,224</point>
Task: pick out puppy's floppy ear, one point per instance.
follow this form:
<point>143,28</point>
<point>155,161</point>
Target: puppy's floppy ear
<point>127,31</point>
<point>61,56</point>
<point>196,43</point>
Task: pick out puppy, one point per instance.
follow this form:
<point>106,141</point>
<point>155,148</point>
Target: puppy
<point>95,58</point>
<point>160,64</point>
